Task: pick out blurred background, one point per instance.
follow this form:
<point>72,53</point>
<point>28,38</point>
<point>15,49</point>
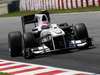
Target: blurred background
<point>7,6</point>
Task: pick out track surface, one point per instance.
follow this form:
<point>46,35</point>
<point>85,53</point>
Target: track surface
<point>85,60</point>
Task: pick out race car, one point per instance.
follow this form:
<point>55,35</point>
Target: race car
<point>46,37</point>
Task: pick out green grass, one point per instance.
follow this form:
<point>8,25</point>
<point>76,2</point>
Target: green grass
<point>1,73</point>
<point>85,9</point>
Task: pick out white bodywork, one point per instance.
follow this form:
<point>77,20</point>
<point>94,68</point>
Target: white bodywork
<point>54,31</point>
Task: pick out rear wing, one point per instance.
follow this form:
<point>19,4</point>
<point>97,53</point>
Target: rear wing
<point>32,19</point>
<point>27,20</point>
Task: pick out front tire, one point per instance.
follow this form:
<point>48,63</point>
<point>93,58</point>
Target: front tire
<point>15,43</point>
<point>29,42</point>
<point>27,53</point>
<point>80,31</point>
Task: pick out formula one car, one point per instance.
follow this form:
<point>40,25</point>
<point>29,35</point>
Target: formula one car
<point>46,37</point>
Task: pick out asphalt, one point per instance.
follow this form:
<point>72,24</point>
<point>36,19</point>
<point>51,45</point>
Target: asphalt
<point>84,60</point>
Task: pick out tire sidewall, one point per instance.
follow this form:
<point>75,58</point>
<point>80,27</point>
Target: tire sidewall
<point>80,31</point>
<point>15,43</point>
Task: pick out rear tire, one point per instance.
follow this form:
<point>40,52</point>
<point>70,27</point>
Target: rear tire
<point>64,26</point>
<point>15,43</point>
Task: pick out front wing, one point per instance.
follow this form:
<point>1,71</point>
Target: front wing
<point>73,44</point>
